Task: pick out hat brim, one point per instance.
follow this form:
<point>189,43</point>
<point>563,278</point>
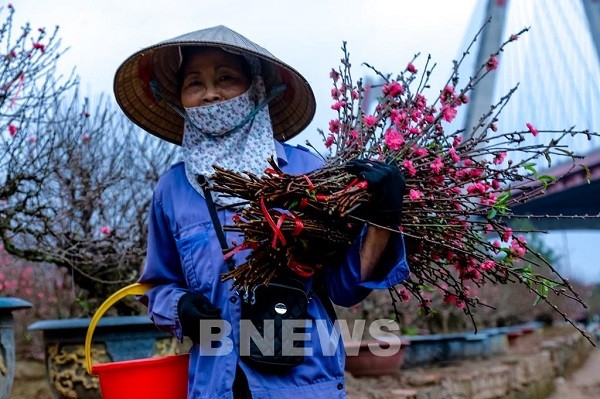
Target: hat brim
<point>291,111</point>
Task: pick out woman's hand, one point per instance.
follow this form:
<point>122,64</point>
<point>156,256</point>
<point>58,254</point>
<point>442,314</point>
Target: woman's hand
<point>193,307</point>
<point>386,185</point>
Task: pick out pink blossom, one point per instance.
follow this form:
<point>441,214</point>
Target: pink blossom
<point>337,105</point>
<point>415,115</point>
<point>488,265</point>
<point>464,98</point>
<point>450,298</point>
<point>439,179</point>
<point>414,194</point>
<point>411,68</point>
<point>470,273</point>
<point>335,93</point>
<point>420,101</point>
<point>477,188</point>
<point>532,129</point>
<point>410,169</point>
<point>489,200</point>
<point>475,172</point>
<point>506,234</point>
<point>393,140</point>
<point>414,130</point>
<point>437,165</point>
<point>353,134</point>
<point>12,130</point>
<point>448,113</point>
<point>105,230</point>
<point>329,141</point>
<point>392,89</point>
<point>495,184</point>
<point>39,46</point>
<point>403,295</point>
<point>85,137</point>
<point>369,120</point>
<point>453,299</point>
<point>456,141</point>
<point>429,118</point>
<point>452,152</point>
<point>32,138</point>
<point>447,95</point>
<point>354,94</point>
<point>334,126</point>
<point>492,63</point>
<point>499,158</point>
<point>333,74</point>
<point>399,119</point>
<point>517,247</point>
<point>419,152</point>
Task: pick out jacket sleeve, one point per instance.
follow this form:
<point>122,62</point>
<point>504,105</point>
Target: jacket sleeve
<point>163,269</point>
<point>344,284</point>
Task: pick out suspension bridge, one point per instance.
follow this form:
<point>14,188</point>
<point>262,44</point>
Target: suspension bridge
<point>557,66</point>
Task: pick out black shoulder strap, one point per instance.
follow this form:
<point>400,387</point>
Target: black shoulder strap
<point>212,210</point>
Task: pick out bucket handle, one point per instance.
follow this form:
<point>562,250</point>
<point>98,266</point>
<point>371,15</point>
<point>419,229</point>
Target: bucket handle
<point>132,289</point>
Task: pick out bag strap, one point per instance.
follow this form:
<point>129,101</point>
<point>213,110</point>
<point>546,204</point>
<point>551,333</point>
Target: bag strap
<point>212,210</point>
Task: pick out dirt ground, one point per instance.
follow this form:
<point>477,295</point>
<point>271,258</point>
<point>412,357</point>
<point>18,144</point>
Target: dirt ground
<point>30,380</point>
<point>583,383</point>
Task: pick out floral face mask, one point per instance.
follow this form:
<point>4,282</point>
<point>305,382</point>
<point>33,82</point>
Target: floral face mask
<point>235,134</point>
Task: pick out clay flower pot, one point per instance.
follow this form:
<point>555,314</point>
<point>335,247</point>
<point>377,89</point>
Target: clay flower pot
<point>361,360</point>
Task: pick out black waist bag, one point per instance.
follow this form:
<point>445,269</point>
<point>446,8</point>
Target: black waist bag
<point>273,309</point>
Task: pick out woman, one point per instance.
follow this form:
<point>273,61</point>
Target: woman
<point>228,101</point>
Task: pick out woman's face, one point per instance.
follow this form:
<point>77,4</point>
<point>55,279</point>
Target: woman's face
<point>211,75</point>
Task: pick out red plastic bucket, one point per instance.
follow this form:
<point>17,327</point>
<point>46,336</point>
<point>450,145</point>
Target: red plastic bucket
<point>154,378</point>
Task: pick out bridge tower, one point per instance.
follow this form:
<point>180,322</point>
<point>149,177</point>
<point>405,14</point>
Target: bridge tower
<point>490,39</point>
<point>592,11</point>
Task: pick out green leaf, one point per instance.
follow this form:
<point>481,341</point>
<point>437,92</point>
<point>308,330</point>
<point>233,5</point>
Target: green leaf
<point>546,179</point>
<point>543,290</point>
<point>530,167</point>
<point>492,214</point>
<point>503,198</point>
<point>547,155</point>
<point>426,288</point>
<point>588,174</point>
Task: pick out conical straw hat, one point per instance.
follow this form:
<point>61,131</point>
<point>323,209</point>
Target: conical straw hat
<point>291,111</point>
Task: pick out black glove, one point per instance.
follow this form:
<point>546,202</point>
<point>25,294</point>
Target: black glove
<point>192,308</point>
<point>386,185</point>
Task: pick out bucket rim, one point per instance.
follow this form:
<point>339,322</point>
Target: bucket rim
<point>153,361</point>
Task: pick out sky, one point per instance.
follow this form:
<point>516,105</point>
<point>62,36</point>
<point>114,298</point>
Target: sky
<point>306,34</point>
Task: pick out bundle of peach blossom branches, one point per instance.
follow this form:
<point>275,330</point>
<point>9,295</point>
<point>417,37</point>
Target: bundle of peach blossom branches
<point>457,205</point>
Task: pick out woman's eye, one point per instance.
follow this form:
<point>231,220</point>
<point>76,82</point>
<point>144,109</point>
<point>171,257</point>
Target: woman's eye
<point>225,78</point>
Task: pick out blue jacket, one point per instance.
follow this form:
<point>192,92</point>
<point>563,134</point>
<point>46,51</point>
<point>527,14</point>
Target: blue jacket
<point>184,255</point>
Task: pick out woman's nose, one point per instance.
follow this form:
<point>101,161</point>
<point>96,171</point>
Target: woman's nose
<point>211,95</point>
